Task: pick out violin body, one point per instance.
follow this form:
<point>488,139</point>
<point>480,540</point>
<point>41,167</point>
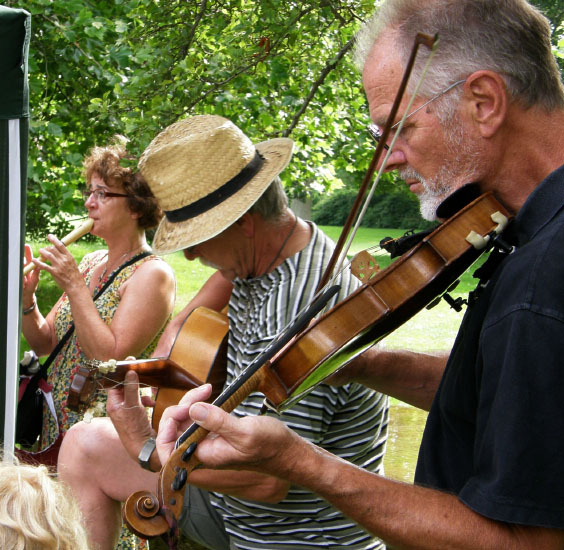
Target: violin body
<point>198,355</point>
<point>388,299</point>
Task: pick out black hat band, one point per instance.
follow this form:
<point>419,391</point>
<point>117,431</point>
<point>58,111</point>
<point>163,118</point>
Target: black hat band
<point>219,195</point>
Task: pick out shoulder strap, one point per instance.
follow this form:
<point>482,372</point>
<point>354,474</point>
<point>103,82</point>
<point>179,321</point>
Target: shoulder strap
<point>111,278</point>
<point>60,344</point>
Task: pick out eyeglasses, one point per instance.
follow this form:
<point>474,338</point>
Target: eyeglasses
<point>375,131</point>
<point>100,194</point>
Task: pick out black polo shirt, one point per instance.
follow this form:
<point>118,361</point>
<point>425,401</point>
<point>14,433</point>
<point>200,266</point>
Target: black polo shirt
<point>495,432</point>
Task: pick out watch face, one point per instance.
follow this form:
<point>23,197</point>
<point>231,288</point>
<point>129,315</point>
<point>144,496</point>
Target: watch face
<point>144,457</point>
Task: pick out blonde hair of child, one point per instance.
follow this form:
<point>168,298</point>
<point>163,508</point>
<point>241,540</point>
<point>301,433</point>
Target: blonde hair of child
<point>37,512</point>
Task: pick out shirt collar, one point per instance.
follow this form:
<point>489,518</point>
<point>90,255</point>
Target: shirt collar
<point>542,205</point>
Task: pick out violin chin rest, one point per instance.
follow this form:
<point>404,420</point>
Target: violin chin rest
<point>458,200</point>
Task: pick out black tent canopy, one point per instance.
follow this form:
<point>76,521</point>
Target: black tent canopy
<point>15,27</point>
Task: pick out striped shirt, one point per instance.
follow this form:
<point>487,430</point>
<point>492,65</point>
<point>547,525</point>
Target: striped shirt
<point>348,421</point>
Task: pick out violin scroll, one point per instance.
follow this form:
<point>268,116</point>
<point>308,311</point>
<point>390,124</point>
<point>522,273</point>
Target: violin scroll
<point>142,510</point>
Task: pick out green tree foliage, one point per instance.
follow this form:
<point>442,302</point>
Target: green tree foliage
<point>391,210</point>
<point>275,67</point>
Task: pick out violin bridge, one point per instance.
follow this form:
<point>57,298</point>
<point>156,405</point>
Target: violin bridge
<point>364,266</point>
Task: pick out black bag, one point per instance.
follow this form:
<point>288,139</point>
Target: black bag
<point>33,385</point>
<point>33,379</point>
<point>30,402</point>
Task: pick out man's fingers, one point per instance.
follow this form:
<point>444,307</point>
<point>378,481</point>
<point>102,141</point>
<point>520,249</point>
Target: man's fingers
<point>115,399</point>
<point>167,432</point>
<point>212,418</point>
<point>131,389</point>
<point>147,401</point>
<point>166,438</point>
<point>201,393</point>
<point>180,413</point>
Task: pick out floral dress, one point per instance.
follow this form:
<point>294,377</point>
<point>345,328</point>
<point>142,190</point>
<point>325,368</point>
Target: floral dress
<point>69,360</point>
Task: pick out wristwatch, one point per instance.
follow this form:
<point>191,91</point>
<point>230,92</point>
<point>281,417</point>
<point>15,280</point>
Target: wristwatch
<point>146,452</point>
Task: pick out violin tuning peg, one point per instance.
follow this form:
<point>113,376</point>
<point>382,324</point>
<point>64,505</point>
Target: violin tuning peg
<point>180,479</point>
<point>187,454</point>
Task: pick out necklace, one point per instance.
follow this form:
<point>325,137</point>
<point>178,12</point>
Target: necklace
<point>283,245</point>
<point>122,257</point>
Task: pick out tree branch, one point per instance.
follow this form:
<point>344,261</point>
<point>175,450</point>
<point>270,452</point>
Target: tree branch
<point>316,85</point>
<point>199,16</point>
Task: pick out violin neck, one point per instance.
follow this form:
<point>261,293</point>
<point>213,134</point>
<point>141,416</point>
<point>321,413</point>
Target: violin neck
<point>158,371</point>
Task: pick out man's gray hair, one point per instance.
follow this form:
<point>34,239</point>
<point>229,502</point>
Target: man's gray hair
<point>273,203</point>
<point>509,37</point>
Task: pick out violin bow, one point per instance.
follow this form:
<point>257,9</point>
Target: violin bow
<point>340,251</point>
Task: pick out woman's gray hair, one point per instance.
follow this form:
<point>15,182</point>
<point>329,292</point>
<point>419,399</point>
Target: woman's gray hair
<point>273,203</point>
<point>509,37</point>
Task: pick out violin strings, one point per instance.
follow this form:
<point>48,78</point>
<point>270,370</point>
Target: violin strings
<point>115,384</point>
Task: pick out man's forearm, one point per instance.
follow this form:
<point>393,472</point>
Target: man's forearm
<point>405,516</point>
<point>409,376</point>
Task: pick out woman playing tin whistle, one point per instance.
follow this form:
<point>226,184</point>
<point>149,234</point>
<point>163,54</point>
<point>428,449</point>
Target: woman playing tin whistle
<point>128,317</point>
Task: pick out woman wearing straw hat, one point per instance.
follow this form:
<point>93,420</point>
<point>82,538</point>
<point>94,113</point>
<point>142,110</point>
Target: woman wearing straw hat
<point>224,204</point>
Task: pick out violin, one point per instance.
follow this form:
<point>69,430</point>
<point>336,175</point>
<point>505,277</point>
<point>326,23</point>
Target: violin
<point>198,355</point>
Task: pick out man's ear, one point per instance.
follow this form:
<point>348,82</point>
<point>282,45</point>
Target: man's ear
<point>247,224</point>
<point>486,100</point>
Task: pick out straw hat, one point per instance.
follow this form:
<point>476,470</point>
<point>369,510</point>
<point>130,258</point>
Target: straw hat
<point>206,174</point>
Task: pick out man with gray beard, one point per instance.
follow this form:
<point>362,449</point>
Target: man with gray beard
<point>490,473</point>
